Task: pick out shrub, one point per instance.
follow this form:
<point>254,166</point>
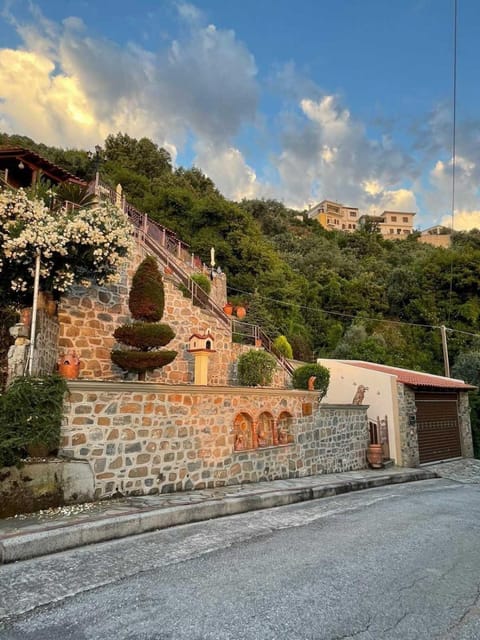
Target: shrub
<point>147,300</point>
<point>302,374</point>
<point>255,368</point>
<point>141,361</point>
<point>282,345</point>
<point>31,413</point>
<point>203,282</point>
<point>144,335</point>
<point>146,303</point>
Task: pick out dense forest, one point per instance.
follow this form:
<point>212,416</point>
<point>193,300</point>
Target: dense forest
<point>331,294</point>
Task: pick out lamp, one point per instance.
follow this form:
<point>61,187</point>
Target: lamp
<point>21,165</point>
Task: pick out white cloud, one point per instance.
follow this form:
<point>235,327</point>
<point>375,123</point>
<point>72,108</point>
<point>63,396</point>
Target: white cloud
<point>227,168</point>
<point>463,220</point>
<point>68,88</point>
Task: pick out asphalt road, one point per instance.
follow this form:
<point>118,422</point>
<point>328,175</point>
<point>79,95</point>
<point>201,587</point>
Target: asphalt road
<point>396,562</point>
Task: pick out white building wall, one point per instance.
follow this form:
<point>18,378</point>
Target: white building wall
<point>381,396</point>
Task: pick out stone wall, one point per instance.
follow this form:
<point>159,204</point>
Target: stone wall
<point>89,316</point>
<point>148,438</point>
<point>407,411</point>
<point>46,352</point>
<point>465,425</point>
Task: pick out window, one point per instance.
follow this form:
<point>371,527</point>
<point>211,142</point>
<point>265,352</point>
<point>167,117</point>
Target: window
<point>406,231</point>
<point>391,231</point>
<point>399,232</point>
<point>353,214</point>
<point>393,218</point>
<point>405,219</point>
<point>343,226</point>
<point>354,226</point>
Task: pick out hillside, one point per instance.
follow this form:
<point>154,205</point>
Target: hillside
<point>332,294</point>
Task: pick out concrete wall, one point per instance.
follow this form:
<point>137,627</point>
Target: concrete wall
<point>43,484</point>
<point>147,438</point>
<point>381,396</point>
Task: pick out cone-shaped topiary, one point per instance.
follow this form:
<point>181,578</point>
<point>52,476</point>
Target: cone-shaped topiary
<point>147,300</point>
<point>146,303</point>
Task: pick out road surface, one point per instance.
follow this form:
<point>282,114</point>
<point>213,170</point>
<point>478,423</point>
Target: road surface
<point>398,562</point>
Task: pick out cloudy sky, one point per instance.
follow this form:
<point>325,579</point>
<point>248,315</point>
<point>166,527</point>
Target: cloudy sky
<point>299,100</point>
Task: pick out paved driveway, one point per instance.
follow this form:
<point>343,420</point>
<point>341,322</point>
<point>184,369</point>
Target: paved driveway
<point>466,470</point>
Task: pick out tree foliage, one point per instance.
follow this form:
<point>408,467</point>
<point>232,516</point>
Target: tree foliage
<point>330,293</point>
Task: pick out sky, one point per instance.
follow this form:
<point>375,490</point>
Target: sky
<point>297,100</point>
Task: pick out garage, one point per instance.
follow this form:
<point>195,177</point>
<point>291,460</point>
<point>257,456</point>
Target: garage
<point>437,426</point>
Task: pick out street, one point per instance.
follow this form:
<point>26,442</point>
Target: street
<point>397,562</point>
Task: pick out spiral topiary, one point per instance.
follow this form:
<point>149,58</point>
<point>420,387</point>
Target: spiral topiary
<point>146,303</point>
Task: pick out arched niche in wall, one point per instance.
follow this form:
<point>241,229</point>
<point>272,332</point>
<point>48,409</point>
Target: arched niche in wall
<point>284,428</point>
<point>243,432</point>
<point>265,426</point>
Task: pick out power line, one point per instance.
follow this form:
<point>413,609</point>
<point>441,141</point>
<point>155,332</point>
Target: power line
<point>454,145</point>
<point>352,317</point>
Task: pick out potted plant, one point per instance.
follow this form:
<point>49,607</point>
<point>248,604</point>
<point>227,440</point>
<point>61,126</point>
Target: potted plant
<point>228,308</point>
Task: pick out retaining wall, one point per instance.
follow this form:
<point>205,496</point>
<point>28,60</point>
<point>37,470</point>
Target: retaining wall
<point>143,438</point>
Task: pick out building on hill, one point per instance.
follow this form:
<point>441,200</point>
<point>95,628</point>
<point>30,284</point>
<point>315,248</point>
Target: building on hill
<point>339,217</point>
<point>393,225</point>
<point>335,216</point>
<point>23,168</point>
<point>437,236</point>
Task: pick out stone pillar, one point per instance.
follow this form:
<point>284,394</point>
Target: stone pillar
<point>18,353</point>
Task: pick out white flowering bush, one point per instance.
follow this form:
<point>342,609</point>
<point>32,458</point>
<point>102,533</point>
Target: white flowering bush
<point>77,245</point>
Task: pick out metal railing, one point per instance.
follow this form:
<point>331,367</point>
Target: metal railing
<point>253,334</point>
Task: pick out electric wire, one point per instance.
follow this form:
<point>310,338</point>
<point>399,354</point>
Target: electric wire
<point>454,146</point>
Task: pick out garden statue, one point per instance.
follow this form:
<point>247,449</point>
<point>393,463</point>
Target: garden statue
<point>359,394</point>
<point>18,353</point>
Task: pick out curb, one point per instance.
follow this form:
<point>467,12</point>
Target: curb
<point>22,546</point>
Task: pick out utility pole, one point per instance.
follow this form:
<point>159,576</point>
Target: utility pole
<point>443,331</point>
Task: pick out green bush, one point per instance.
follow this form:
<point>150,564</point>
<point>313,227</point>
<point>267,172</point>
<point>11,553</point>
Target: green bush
<point>31,413</point>
<point>283,346</point>
<point>256,368</point>
<point>144,335</point>
<point>302,374</point>
<point>141,361</point>
<point>147,299</point>
<point>203,282</point>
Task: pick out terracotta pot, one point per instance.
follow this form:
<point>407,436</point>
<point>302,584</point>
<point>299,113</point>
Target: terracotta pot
<point>228,309</point>
<point>26,317</point>
<point>68,370</point>
<point>241,312</point>
<point>51,307</point>
<point>375,456</point>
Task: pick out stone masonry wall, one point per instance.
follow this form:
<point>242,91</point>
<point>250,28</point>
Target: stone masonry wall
<point>46,340</point>
<point>465,425</point>
<point>89,316</point>
<point>407,411</point>
<point>147,438</point>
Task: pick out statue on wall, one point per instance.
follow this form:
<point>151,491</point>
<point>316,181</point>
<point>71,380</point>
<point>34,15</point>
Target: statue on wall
<point>359,394</point>
<point>17,356</point>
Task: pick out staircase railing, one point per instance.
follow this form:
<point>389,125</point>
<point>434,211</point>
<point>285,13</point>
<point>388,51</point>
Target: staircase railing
<point>165,245</point>
<point>258,337</point>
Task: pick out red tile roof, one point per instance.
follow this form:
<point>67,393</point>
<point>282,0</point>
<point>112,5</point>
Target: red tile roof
<point>414,378</point>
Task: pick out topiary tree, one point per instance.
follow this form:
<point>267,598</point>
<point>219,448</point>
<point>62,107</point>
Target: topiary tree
<point>255,368</point>
<point>302,374</point>
<point>283,346</point>
<point>145,335</point>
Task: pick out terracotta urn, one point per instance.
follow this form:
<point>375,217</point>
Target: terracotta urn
<point>375,456</point>
<point>241,312</point>
<point>228,309</point>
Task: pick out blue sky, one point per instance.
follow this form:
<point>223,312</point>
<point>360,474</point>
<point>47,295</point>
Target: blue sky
<point>298,100</point>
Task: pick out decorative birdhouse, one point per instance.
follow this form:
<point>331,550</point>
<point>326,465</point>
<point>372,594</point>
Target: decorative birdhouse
<point>201,346</point>
<point>200,342</point>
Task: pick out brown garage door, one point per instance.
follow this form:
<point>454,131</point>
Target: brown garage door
<point>437,424</point>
